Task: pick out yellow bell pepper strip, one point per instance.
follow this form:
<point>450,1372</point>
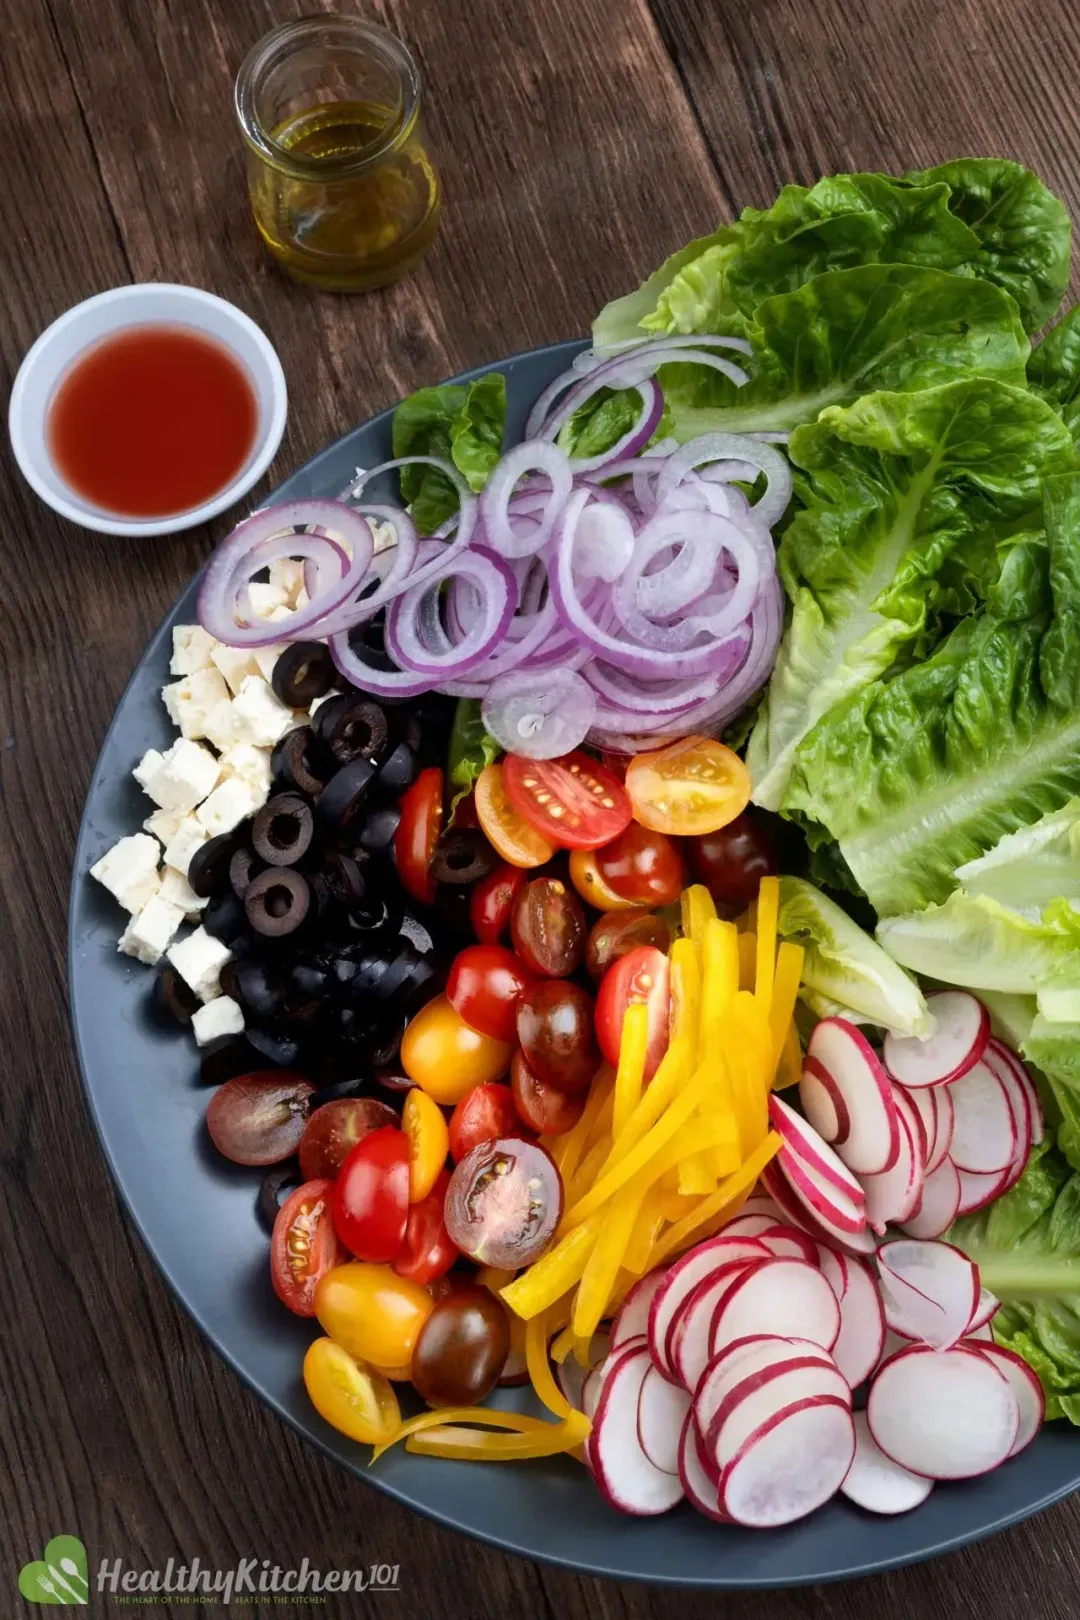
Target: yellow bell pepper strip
<point>583,1351</point>
<point>789,964</point>
<point>695,1175</point>
<point>768,911</point>
<point>590,1168</point>
<point>561,1345</point>
<point>752,1074</point>
<point>491,1416</point>
<point>473,1445</point>
<point>539,1367</point>
<point>674,1206</point>
<point>724,1202</point>
<point>789,1072</point>
<point>646,1231</point>
<point>548,1278</point>
<point>720,971</point>
<point>685,989</point>
<point>747,960</point>
<point>630,1075</point>
<point>602,1267</point>
<point>575,1140</point>
<point>672,1074</point>
<point>696,904</point>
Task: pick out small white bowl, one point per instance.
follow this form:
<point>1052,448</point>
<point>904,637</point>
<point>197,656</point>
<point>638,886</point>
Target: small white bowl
<point>145,303</point>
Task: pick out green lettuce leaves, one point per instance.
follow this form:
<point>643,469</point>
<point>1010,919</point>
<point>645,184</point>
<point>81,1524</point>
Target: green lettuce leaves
<point>459,422</point>
<point>471,749</point>
<point>1029,869</point>
<point>916,775</point>
<point>1053,372</point>
<point>972,940</point>
<point>903,499</point>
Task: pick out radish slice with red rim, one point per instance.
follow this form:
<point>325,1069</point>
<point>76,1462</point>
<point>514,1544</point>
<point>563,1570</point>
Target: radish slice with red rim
<point>871,1143</point>
<point>940,1204</point>
<point>1016,1092</point>
<point>946,1121</point>
<point>834,1268</point>
<point>632,1316</point>
<point>742,1358</point>
<point>785,1297</point>
<point>986,1308</point>
<point>946,1414</point>
<point>985,1137</point>
<point>679,1282</point>
<point>792,1465</point>
<point>930,1290</point>
<point>823,1102</point>
<point>796,1214</point>
<point>861,1340</point>
<point>802,1142</point>
<point>621,1469</point>
<point>959,1040</point>
<point>920,1110</point>
<point>878,1484</point>
<point>788,1243</point>
<point>700,1489</point>
<point>976,1191</point>
<point>894,1195</point>
<point>756,1398</point>
<point>1025,1386</point>
<point>1019,1069</point>
<point>833,1209</point>
<point>689,1341</point>
<point>662,1411</point>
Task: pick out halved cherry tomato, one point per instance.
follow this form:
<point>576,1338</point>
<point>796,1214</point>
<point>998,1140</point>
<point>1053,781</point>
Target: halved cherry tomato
<point>555,1029</point>
<point>484,985</point>
<point>428,1251</point>
<point>732,861</point>
<point>693,786</point>
<point>423,1123</point>
<point>543,1107</point>
<point>641,975</point>
<point>575,800</point>
<point>618,933</point>
<point>304,1246</point>
<point>334,1129</point>
<point>355,1400</point>
<point>515,838</point>
<point>587,880</point>
<point>504,1202</point>
<point>645,868</point>
<point>548,927</point>
<point>373,1314</point>
<point>371,1195</point>
<point>483,1115</point>
<point>445,1057</point>
<point>417,833</point>
<point>492,901</point>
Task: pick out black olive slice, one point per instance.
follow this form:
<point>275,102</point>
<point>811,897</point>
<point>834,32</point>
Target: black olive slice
<point>344,878</point>
<point>278,1179</point>
<point>462,855</point>
<point>175,995</point>
<point>343,795</point>
<point>223,916</point>
<point>258,989</point>
<point>283,829</point>
<point>278,901</point>
<point>304,672</point>
<point>377,828</point>
<point>397,771</point>
<point>357,731</point>
<point>208,869</point>
<point>291,762</point>
<point>242,868</point>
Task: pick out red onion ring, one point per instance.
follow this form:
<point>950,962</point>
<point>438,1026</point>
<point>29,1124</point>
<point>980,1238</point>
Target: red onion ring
<point>415,639</point>
<point>540,717</point>
<point>496,498</point>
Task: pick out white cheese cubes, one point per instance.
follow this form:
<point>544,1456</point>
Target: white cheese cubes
<point>192,648</point>
<point>149,932</point>
<point>187,773</point>
<point>267,657</point>
<point>235,664</point>
<point>191,700</point>
<point>287,575</point>
<point>176,889</point>
<point>251,765</point>
<point>227,806</point>
<point>220,726</point>
<point>265,598</point>
<point>151,761</point>
<point>190,836</point>
<point>222,1016</point>
<point>164,824</point>
<point>199,960</point>
<point>258,715</point>
<point>129,870</point>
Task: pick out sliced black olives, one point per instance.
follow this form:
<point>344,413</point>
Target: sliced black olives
<point>283,829</point>
<point>377,828</point>
<point>278,901</point>
<point>358,730</point>
<point>278,1179</point>
<point>258,989</point>
<point>343,878</point>
<point>304,672</point>
<point>223,916</point>
<point>462,855</point>
<point>242,868</point>
<point>208,869</point>
<point>343,795</point>
<point>291,762</point>
<point>397,771</point>
<point>175,995</point>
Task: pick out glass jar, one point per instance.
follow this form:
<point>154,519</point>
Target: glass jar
<point>342,186</point>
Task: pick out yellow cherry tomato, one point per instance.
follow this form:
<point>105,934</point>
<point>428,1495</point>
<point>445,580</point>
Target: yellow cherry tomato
<point>587,880</point>
<point>429,1142</point>
<point>446,1058</point>
<point>693,786</point>
<point>373,1314</point>
<point>353,1399</point>
<point>511,835</point>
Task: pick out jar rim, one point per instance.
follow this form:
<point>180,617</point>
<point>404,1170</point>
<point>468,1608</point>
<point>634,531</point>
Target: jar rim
<point>288,37</point>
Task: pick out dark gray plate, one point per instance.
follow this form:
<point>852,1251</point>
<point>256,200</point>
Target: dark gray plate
<point>196,1214</point>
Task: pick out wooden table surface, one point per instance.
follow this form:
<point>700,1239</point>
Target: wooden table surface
<point>581,141</point>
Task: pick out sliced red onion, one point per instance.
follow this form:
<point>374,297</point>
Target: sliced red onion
<point>686,340</point>
<point>542,716</point>
<point>369,678</point>
<point>496,498</point>
<point>460,526</point>
<point>604,546</point>
<point>636,437</point>
<point>736,447</point>
<point>415,638</point>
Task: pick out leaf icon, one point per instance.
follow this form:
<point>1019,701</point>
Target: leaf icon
<point>59,1576</point>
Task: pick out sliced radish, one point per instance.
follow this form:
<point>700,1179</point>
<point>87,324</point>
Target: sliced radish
<point>689,1340</point>
<point>940,1202</point>
<point>930,1290</point>
<point>823,1102</point>
<point>632,1317</point>
<point>593,1381</point>
<point>622,1470</point>
<point>802,1142</point>
<point>894,1195</point>
<point>894,1343</point>
<point>861,1339</point>
<point>1027,1389</point>
<point>947,1414</point>
<point>871,1143</point>
<point>877,1483</point>
<point>797,1214</point>
<point>753,1225</point>
<point>946,1124</point>
<point>986,1308</point>
<point>788,1243</point>
<point>792,1465</point>
<point>785,1297</point>
<point>756,1398</point>
<point>740,1360</point>
<point>985,1137</point>
<point>701,1490</point>
<point>983,1335</point>
<point>759,1203</point>
<point>922,1115</point>
<point>976,1191</point>
<point>679,1282</point>
<point>1019,1099</point>
<point>570,1375</point>
<point>661,1413</point>
<point>834,1268</point>
<point>962,1029</point>
<point>1019,1069</point>
<point>830,1207</point>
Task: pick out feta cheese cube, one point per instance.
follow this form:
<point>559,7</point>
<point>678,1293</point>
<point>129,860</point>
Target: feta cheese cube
<point>190,836</point>
<point>149,932</point>
<point>222,1016</point>
<point>265,598</point>
<point>318,703</point>
<point>287,574</point>
<point>146,767</point>
<point>164,824</point>
<point>229,804</point>
<point>259,716</point>
<point>192,647</point>
<point>191,700</point>
<point>235,663</point>
<point>220,726</point>
<point>279,614</point>
<point>129,870</point>
<point>178,891</point>
<point>199,960</point>
<point>267,657</point>
<point>187,773</point>
<point>251,765</point>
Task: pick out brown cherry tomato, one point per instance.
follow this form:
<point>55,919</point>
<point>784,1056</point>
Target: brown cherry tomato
<point>504,1202</point>
<point>555,1030</point>
<point>334,1130</point>
<point>543,1107</point>
<point>259,1118</point>
<point>547,926</point>
<point>462,1348</point>
<point>492,901</point>
<point>732,861</point>
<point>618,933</point>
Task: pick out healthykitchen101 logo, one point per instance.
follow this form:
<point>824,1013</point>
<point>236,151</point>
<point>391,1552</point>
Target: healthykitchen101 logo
<point>59,1575</point>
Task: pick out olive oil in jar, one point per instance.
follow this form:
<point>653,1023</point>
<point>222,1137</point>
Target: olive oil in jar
<point>361,207</point>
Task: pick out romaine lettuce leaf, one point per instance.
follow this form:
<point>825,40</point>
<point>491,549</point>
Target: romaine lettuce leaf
<point>459,422</point>
<point>1029,868</point>
<point>916,775</point>
<point>973,941</point>
<point>846,333</point>
<point>1053,371</point>
<point>902,501</point>
<point>845,966</point>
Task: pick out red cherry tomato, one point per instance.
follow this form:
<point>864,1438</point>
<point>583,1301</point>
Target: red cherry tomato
<point>640,975</point>
<point>304,1246</point>
<point>417,834</point>
<point>483,1115</point>
<point>371,1195</point>
<point>543,1107</point>
<point>732,861</point>
<point>642,866</point>
<point>428,1251</point>
<point>492,902</point>
<point>483,988</point>
<point>575,801</point>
